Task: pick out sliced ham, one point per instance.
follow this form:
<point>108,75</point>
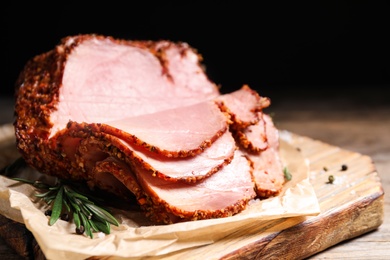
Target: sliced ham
<point>223,194</point>
<point>166,132</point>
<point>242,105</point>
<point>253,137</point>
<point>193,168</point>
<point>142,118</point>
<point>97,146</point>
<point>267,166</point>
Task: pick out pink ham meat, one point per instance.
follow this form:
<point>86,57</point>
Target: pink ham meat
<point>245,108</point>
<point>99,79</point>
<point>141,118</point>
<point>225,193</point>
<point>166,132</point>
<point>267,166</point>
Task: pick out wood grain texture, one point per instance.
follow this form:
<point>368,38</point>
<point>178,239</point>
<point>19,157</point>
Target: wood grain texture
<point>359,125</point>
<point>353,205</point>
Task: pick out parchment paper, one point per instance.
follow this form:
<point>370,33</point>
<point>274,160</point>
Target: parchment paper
<point>132,239</point>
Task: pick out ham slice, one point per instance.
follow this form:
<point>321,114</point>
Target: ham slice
<point>267,166</point>
<point>113,79</point>
<point>193,168</point>
<point>166,132</point>
<point>242,105</point>
<point>142,119</point>
<point>253,137</point>
<point>223,194</point>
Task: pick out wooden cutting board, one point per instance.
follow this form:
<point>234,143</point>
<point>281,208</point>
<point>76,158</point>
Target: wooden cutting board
<point>350,206</point>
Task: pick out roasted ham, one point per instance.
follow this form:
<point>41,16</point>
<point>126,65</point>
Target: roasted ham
<point>142,118</point>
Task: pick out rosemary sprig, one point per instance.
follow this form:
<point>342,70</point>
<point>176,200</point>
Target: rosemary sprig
<point>65,200</point>
<point>87,215</point>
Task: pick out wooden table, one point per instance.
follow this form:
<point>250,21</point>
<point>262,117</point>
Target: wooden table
<point>364,129</point>
<point>357,124</point>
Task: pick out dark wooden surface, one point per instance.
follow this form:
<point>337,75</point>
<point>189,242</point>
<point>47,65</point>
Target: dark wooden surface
<point>357,124</point>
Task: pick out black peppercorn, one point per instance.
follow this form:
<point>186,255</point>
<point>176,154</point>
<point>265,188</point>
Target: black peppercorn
<point>344,167</point>
<point>80,230</point>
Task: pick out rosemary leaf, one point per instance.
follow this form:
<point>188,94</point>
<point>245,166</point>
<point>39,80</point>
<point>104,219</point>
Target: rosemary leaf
<point>102,226</point>
<point>74,205</point>
<point>76,219</point>
<point>80,196</point>
<point>86,225</point>
<point>24,181</point>
<point>40,185</point>
<point>57,207</point>
<point>36,184</point>
<point>84,209</point>
<point>93,226</point>
<point>67,206</point>
<point>42,195</point>
<point>48,200</point>
<point>102,214</point>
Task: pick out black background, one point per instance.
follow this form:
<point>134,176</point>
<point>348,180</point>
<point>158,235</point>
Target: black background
<point>328,49</point>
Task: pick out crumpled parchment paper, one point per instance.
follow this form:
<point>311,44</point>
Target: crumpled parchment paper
<point>17,202</point>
